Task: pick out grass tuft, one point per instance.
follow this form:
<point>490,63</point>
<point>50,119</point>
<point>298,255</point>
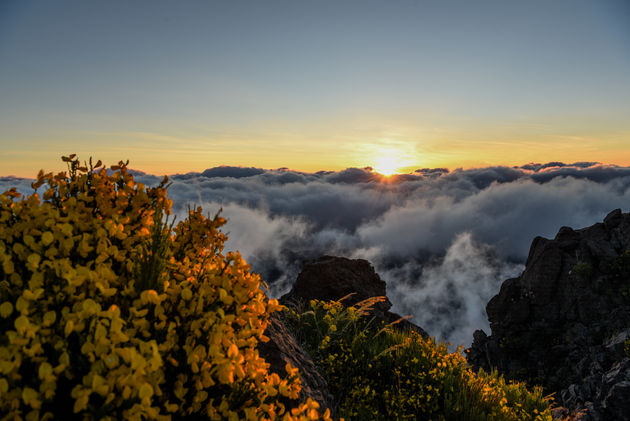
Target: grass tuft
<point>379,372</point>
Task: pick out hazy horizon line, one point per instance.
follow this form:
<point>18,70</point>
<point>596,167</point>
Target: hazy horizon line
<point>406,170</point>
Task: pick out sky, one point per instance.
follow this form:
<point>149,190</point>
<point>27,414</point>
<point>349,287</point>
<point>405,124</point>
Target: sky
<point>179,87</point>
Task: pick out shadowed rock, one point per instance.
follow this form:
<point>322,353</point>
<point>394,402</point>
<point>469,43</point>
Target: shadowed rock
<point>563,322</point>
<point>282,349</point>
<point>331,278</point>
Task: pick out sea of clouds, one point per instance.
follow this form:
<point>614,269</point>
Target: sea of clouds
<point>444,241</point>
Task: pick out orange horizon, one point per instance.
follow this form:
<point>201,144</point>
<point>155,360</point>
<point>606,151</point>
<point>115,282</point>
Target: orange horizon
<point>408,169</point>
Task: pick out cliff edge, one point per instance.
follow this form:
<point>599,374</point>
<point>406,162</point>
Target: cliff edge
<point>565,321</point>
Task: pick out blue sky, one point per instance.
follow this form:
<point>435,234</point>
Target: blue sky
<point>183,86</point>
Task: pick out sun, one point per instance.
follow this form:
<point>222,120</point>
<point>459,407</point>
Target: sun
<point>387,165</point>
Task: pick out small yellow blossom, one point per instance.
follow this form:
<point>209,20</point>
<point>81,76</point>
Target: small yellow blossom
<point>6,309</point>
<point>47,238</point>
<point>85,242</point>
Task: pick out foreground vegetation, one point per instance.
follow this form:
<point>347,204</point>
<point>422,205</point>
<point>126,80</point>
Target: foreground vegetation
<point>379,372</point>
<point>107,311</point>
<point>110,310</point>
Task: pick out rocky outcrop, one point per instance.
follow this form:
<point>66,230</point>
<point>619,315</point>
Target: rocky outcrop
<point>563,323</point>
<point>332,278</point>
<point>327,278</point>
<point>282,349</point>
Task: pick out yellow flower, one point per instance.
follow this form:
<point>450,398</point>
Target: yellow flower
<point>45,371</point>
<point>31,398</point>
<point>33,261</point>
<point>186,294</point>
<point>22,324</point>
<point>47,238</point>
<point>6,309</point>
<point>66,229</point>
<point>7,266</point>
<point>91,307</point>
<point>69,327</point>
<point>78,245</point>
<point>49,318</point>
<point>150,296</point>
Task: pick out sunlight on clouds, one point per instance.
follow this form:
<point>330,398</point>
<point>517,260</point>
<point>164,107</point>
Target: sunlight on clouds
<point>388,146</point>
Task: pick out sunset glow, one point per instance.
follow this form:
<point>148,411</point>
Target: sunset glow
<point>388,164</point>
<point>314,85</point>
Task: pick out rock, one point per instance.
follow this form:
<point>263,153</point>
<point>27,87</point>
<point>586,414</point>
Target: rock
<point>282,349</point>
<point>618,373</point>
<point>563,323</point>
<point>615,346</point>
<point>617,402</point>
<point>332,278</point>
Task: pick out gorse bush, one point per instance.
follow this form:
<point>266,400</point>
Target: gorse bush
<point>379,372</point>
<point>108,311</point>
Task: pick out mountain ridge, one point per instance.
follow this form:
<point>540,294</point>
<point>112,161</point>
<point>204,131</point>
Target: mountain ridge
<point>563,322</point>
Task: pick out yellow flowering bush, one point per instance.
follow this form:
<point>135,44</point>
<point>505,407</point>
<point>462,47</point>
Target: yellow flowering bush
<point>107,311</point>
<point>376,371</point>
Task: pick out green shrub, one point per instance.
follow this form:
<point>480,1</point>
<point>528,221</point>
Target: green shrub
<point>379,372</point>
<point>583,271</point>
<point>108,312</point>
<point>621,265</point>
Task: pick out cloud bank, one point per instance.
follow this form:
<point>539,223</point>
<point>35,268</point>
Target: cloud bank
<point>443,240</point>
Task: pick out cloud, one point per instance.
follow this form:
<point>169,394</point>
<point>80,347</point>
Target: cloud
<point>22,185</point>
<point>597,173</point>
<point>431,234</point>
<point>234,172</point>
<point>431,171</point>
<point>444,241</point>
<point>507,215</point>
<point>537,167</point>
<point>448,296</point>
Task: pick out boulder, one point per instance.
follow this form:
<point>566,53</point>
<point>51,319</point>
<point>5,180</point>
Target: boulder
<point>331,278</point>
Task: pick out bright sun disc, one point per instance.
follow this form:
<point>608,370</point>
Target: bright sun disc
<point>386,165</point>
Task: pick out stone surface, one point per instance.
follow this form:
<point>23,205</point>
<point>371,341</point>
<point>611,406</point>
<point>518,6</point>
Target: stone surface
<point>282,349</point>
<point>332,278</point>
<point>617,402</point>
<point>563,323</point>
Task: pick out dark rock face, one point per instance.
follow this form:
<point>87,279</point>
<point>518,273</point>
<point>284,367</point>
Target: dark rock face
<point>331,278</point>
<point>564,321</point>
<point>282,349</point>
